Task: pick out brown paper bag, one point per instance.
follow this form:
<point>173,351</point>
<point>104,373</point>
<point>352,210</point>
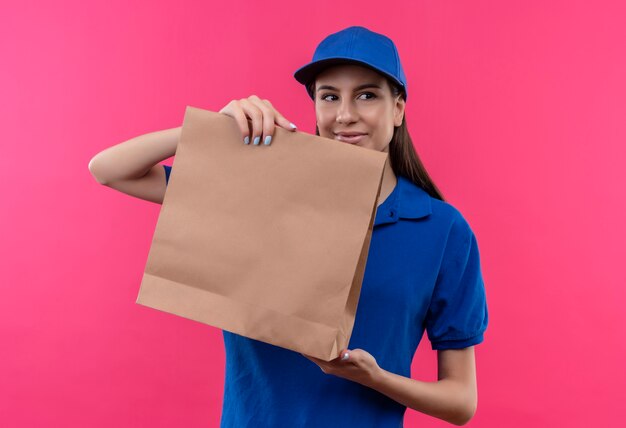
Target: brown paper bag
<point>269,242</point>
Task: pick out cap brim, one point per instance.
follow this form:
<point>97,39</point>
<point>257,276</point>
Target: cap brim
<point>308,72</point>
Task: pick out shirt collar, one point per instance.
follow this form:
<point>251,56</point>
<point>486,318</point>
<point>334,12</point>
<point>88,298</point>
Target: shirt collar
<point>407,200</point>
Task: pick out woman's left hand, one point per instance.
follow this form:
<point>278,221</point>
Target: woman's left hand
<point>359,366</point>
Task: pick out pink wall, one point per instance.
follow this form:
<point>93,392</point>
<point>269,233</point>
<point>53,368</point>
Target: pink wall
<point>517,109</point>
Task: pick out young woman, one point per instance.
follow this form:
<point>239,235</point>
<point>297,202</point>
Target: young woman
<point>422,274</point>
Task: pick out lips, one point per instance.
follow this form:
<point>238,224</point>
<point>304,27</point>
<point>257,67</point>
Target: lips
<point>350,137</point>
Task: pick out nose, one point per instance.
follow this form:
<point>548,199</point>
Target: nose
<point>347,112</point>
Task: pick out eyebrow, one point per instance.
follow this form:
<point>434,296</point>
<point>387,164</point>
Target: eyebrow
<point>358,88</point>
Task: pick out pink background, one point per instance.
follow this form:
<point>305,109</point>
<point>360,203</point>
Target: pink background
<point>517,109</point>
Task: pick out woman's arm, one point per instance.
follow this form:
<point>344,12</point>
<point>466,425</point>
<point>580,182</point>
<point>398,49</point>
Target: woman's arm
<point>134,158</point>
<point>452,398</point>
<point>133,168</point>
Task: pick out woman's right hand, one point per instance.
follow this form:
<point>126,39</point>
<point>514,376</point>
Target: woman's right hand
<point>263,115</point>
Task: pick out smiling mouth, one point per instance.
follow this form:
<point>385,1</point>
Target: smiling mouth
<point>352,139</point>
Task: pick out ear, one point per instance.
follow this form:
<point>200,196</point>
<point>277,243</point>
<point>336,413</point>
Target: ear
<point>398,111</point>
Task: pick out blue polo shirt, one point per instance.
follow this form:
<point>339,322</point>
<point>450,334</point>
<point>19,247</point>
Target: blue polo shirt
<point>422,274</point>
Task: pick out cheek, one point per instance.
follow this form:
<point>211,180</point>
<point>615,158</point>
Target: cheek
<point>375,122</point>
<point>323,116</point>
<point>325,122</point>
<point>382,132</point>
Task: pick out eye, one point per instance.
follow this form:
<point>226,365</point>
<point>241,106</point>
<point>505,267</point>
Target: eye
<point>324,96</point>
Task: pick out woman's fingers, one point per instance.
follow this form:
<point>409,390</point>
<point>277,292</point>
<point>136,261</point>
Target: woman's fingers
<point>256,116</point>
<point>267,118</point>
<point>262,117</point>
<point>280,119</point>
<point>234,110</point>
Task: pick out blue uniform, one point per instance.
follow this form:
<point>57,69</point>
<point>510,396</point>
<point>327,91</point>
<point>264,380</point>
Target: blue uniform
<point>422,273</point>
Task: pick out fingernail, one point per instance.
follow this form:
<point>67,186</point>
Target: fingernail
<point>246,140</point>
<point>292,125</point>
<point>268,140</point>
<point>345,356</point>
<point>257,139</point>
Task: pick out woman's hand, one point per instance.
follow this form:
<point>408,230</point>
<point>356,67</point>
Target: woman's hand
<point>263,116</point>
<point>359,366</point>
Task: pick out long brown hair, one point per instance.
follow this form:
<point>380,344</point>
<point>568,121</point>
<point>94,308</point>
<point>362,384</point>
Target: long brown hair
<point>403,158</point>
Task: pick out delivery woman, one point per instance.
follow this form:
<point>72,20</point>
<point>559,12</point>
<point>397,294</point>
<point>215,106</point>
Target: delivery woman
<point>422,274</point>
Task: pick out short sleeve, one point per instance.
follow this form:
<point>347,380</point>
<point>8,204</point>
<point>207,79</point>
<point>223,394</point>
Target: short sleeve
<point>457,316</point>
<point>168,170</point>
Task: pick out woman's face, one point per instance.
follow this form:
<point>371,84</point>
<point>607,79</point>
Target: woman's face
<point>352,99</point>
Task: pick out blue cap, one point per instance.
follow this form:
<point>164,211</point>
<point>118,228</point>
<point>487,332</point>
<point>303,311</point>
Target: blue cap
<point>355,45</point>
